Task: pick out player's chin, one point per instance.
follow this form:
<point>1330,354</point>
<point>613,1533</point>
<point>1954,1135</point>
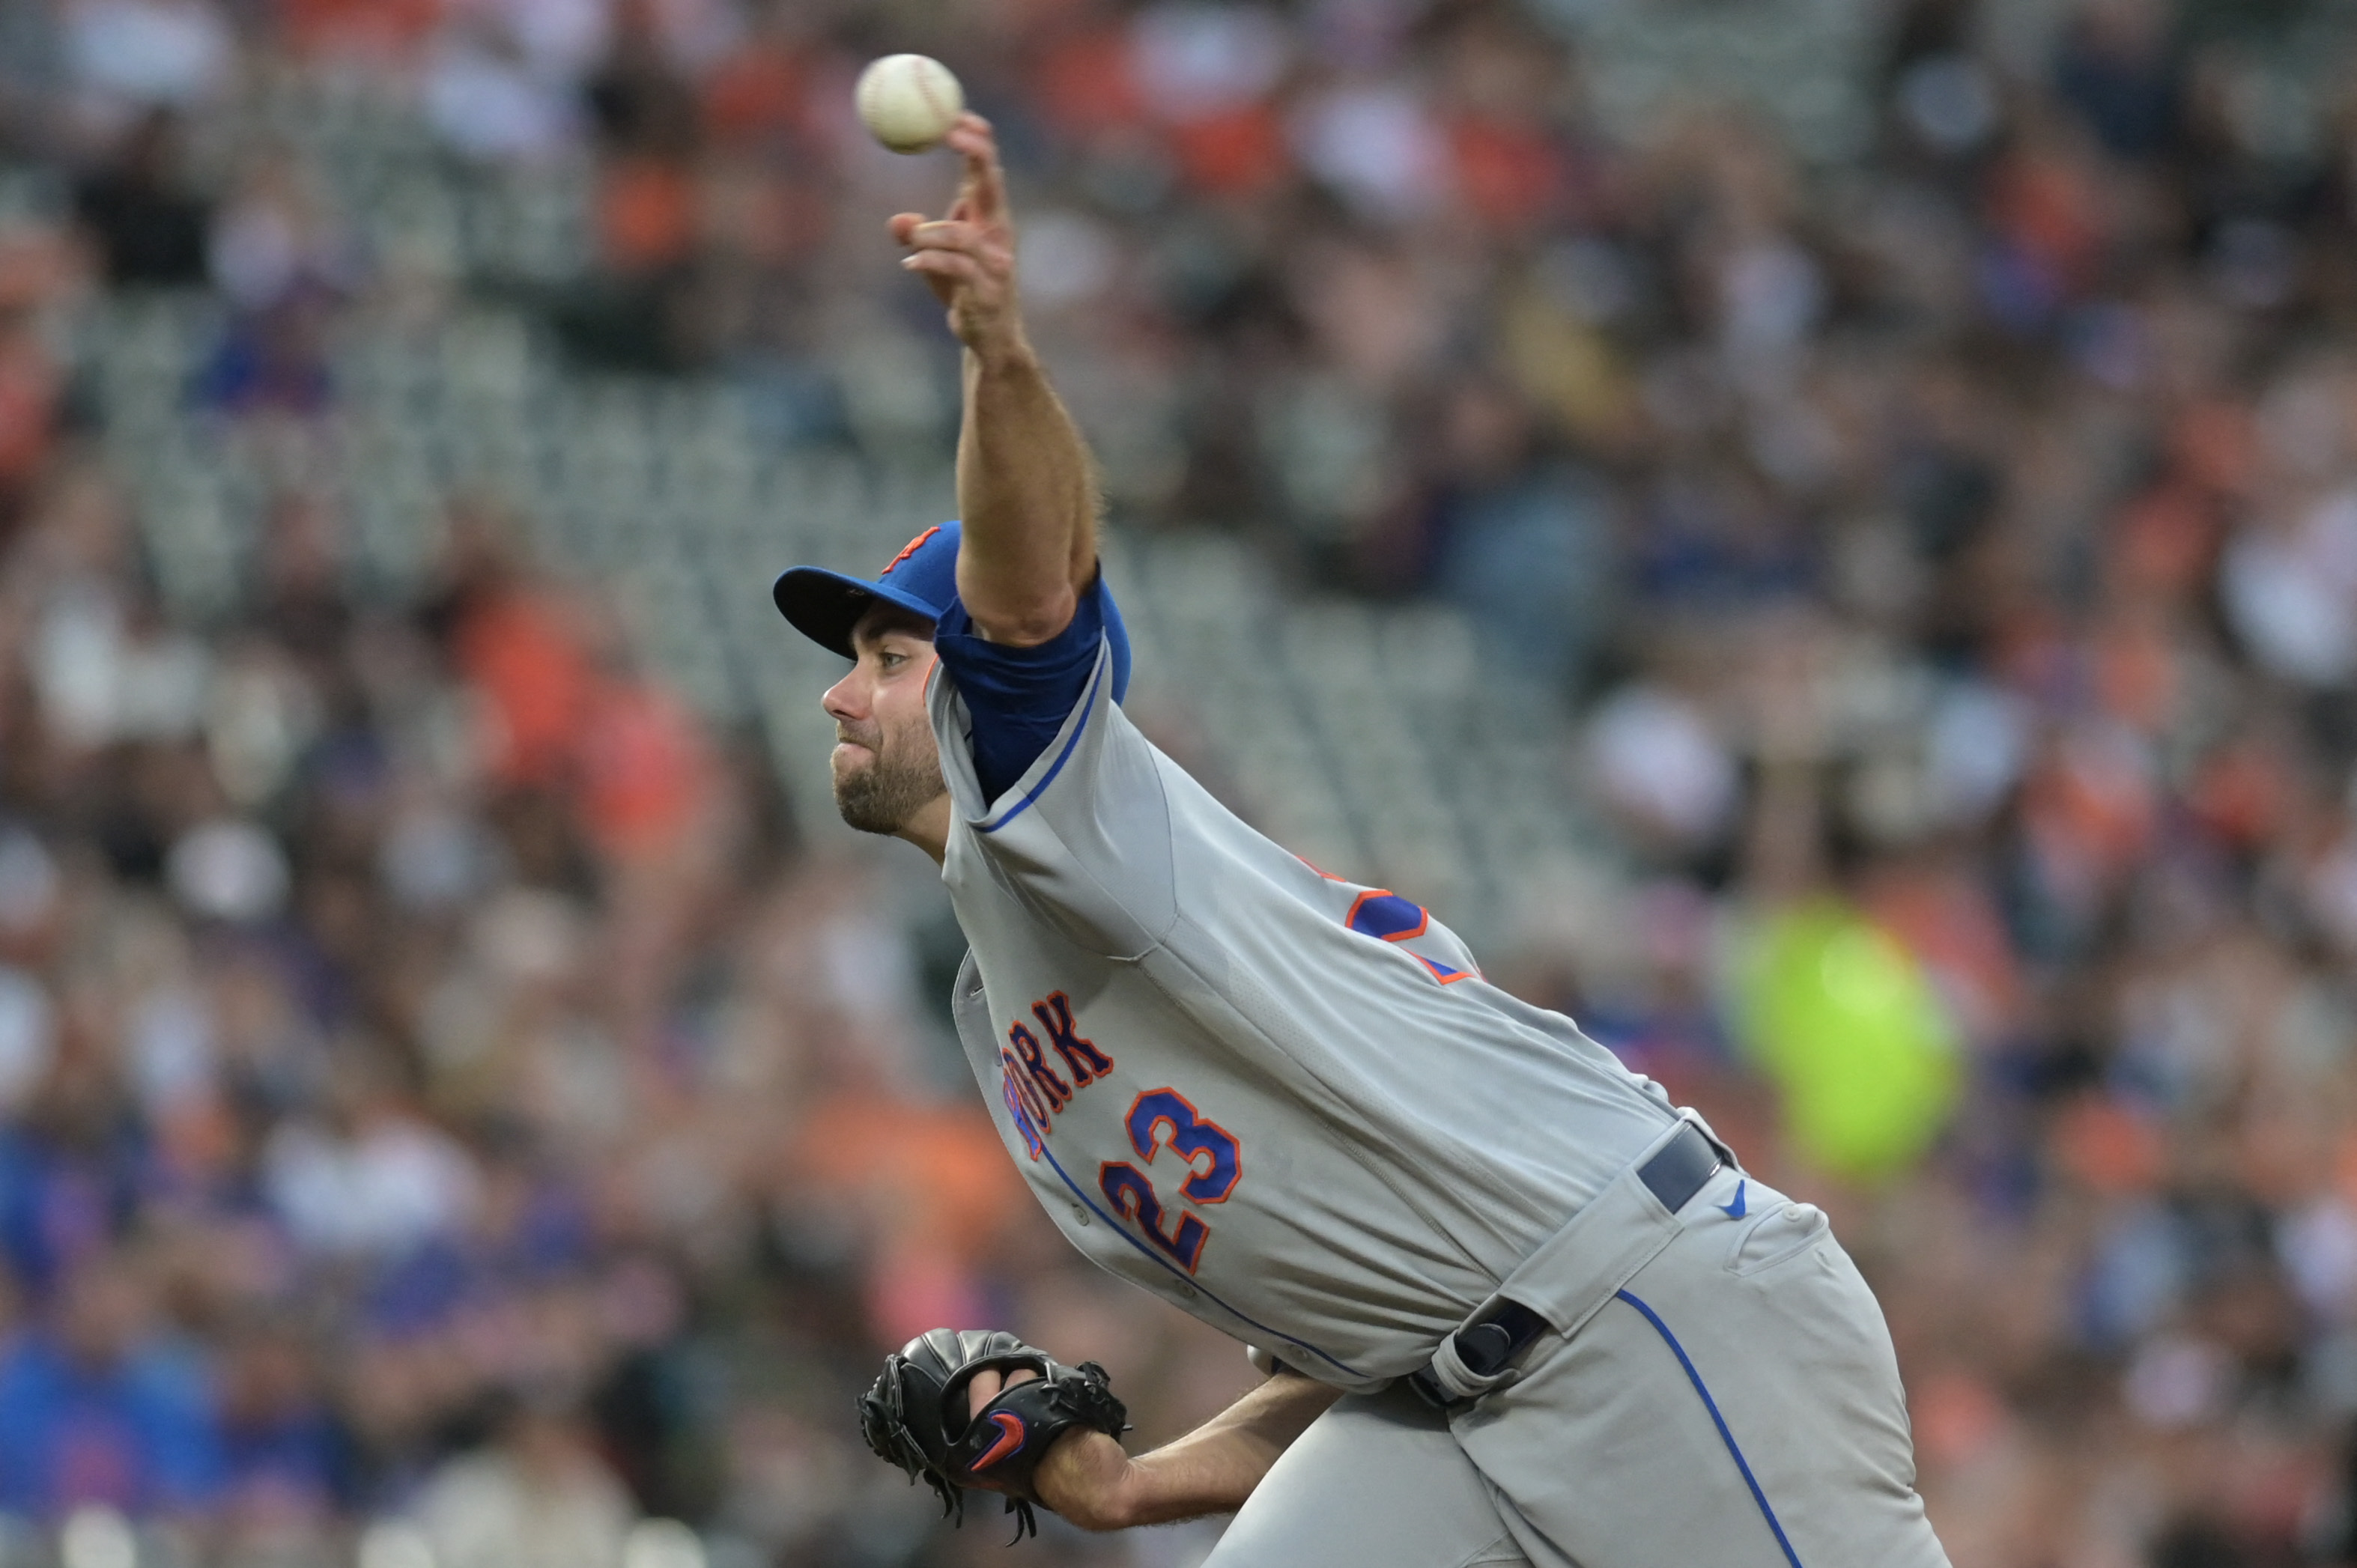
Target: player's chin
<point>857,769</point>
<point>859,810</point>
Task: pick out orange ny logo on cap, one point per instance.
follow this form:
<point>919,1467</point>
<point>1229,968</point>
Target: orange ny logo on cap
<point>909,549</point>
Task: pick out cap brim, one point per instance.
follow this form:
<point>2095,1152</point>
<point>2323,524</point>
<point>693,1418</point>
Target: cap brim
<point>825,605</point>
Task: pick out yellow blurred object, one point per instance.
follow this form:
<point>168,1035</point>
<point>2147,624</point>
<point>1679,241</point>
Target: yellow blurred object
<point>1563,364</point>
<point>1842,1017</point>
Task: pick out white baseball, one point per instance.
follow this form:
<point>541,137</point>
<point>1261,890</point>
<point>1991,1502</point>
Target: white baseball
<point>908,101</point>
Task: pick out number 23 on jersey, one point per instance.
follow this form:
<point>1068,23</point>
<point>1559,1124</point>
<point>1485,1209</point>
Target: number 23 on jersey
<point>1158,1120</point>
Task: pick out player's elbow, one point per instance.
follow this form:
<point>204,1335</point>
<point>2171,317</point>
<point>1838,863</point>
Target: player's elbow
<point>1019,620</point>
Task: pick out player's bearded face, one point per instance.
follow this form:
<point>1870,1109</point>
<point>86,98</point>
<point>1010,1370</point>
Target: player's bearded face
<point>887,765</point>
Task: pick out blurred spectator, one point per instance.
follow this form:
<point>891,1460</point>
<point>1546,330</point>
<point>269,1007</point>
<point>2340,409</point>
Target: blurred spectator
<point>34,277</point>
<point>537,1496</point>
<point>376,1181</point>
<point>96,1406</point>
<point>274,236</point>
<point>362,33</point>
<point>149,228</point>
<point>128,57</point>
<point>284,1471</point>
<point>2119,70</point>
<point>488,104</point>
<point>272,361</point>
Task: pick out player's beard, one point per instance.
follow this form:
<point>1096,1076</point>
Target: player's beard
<point>902,776</point>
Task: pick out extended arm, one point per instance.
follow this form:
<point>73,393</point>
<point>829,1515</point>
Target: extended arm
<point>1091,1481</point>
<point>1026,493</point>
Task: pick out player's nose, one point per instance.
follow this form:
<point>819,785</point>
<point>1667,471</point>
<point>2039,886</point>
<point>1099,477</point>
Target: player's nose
<point>846,699</point>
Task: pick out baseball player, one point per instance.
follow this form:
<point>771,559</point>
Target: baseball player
<point>1515,1308</point>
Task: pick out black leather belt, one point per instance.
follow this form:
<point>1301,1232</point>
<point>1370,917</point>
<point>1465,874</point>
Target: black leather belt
<point>1675,1173</point>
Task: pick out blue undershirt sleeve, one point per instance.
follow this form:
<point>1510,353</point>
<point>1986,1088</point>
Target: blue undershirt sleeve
<point>1019,697</point>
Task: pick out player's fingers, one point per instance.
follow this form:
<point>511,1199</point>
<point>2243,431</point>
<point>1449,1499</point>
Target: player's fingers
<point>987,1386</point>
<point>903,224</point>
<point>984,184</point>
<point>992,261</point>
<point>945,234</point>
<point>991,251</point>
<point>952,267</point>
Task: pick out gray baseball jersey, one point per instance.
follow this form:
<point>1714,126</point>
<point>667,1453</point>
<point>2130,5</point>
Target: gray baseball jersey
<point>1287,1103</point>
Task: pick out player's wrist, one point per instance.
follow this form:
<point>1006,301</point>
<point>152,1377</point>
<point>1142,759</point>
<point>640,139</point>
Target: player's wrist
<point>1091,1480</point>
<point>1003,350</point>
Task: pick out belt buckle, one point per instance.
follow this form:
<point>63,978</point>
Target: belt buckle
<point>1485,1348</point>
<point>1430,1391</point>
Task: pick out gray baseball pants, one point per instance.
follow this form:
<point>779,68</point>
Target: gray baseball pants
<point>1720,1393</point>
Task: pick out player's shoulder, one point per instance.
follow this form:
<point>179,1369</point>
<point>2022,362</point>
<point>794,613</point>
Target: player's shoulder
<point>1383,916</point>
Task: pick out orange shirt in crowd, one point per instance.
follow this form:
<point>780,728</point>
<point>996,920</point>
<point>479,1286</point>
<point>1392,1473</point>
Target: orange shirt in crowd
<point>522,652</point>
<point>1510,176</point>
<point>643,768</point>
<point>646,214</point>
<point>377,30</point>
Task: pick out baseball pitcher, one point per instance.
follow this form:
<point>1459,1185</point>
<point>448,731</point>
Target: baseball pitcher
<point>1515,1306</point>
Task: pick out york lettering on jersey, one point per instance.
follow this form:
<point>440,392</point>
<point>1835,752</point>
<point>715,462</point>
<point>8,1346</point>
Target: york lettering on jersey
<point>1081,1057</point>
<point>1037,1092</point>
<point>1023,1102</point>
<point>1030,1071</point>
<point>1043,1076</point>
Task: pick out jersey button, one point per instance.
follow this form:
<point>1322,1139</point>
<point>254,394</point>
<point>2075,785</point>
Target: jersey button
<point>1187,1291</point>
<point>1080,1214</point>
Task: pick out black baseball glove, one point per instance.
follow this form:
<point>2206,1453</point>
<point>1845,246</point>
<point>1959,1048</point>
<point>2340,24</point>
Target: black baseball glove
<point>915,1415</point>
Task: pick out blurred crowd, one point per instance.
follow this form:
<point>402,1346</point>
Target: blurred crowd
<point>437,1089</point>
<point>441,1081</point>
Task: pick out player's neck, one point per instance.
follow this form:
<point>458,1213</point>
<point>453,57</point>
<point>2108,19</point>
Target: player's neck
<point>928,827</point>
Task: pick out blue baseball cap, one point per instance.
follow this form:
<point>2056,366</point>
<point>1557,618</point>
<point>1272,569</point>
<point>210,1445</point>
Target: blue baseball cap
<point>825,605</point>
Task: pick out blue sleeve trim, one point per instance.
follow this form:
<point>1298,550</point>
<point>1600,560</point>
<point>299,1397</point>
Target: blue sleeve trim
<point>1087,705</point>
<point>1724,1436</point>
<point>1018,698</point>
